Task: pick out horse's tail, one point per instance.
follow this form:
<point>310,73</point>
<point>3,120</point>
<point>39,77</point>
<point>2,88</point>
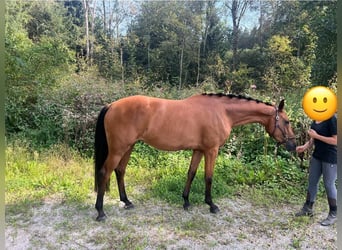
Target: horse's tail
<point>101,146</point>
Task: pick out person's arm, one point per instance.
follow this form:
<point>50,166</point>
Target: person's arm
<point>329,140</point>
<point>306,146</point>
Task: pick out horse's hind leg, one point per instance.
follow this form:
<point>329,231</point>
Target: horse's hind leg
<point>195,160</point>
<point>103,178</point>
<point>120,174</point>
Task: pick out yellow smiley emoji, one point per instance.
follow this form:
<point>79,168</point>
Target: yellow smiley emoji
<point>319,103</point>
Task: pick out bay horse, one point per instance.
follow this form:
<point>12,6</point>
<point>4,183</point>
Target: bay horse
<point>201,123</point>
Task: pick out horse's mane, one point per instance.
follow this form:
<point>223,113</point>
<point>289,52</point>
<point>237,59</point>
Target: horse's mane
<point>236,96</point>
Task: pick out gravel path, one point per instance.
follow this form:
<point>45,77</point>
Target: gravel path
<point>158,225</point>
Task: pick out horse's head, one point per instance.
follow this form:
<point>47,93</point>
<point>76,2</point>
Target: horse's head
<point>280,128</point>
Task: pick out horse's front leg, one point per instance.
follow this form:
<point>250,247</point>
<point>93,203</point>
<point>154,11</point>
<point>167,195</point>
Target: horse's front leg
<point>195,160</point>
<point>210,158</point>
<point>120,174</point>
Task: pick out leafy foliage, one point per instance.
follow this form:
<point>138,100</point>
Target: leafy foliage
<point>32,69</point>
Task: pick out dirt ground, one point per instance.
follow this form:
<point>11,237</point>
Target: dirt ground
<point>154,224</point>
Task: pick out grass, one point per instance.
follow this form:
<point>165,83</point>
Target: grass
<point>32,177</point>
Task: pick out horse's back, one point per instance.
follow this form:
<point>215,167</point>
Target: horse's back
<point>137,109</point>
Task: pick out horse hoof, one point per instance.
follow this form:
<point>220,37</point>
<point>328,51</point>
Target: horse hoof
<point>101,218</point>
<point>186,207</point>
<point>214,209</point>
<point>129,206</point>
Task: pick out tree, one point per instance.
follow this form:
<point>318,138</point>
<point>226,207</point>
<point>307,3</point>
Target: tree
<point>86,25</point>
<point>168,34</point>
<point>109,40</point>
<point>214,46</point>
<point>36,59</point>
<point>75,22</point>
<point>267,10</point>
<point>285,70</point>
<point>311,26</point>
<point>323,25</point>
<point>237,9</point>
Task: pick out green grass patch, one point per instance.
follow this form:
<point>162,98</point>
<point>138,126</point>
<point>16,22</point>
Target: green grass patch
<point>170,185</point>
<point>33,176</point>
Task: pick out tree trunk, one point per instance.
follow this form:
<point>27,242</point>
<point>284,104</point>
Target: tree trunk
<point>181,64</point>
<point>92,28</point>
<point>122,65</point>
<point>86,10</point>
<point>198,63</point>
<point>104,17</point>
<point>235,33</point>
<point>261,23</point>
<point>237,8</point>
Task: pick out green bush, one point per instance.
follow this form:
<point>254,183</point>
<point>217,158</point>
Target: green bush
<point>67,114</point>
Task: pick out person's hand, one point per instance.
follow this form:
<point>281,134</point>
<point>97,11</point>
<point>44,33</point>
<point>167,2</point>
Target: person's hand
<point>300,149</point>
<point>312,133</point>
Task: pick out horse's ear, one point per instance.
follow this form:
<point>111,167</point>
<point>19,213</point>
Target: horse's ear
<point>281,105</point>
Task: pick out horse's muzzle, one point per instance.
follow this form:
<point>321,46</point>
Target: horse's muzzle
<point>290,146</point>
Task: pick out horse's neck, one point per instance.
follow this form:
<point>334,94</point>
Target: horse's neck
<point>241,114</point>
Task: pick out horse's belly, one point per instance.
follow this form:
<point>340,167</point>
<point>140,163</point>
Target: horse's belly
<point>172,142</point>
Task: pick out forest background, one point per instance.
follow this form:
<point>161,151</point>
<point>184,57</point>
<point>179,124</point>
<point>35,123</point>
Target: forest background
<point>66,59</point>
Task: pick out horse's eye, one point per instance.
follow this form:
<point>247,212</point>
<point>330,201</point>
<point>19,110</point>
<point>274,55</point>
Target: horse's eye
<point>287,122</point>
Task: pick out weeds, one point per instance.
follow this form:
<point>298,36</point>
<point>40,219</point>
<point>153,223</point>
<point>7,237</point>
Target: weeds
<point>35,176</point>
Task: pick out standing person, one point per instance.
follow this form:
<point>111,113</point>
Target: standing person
<point>323,136</point>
